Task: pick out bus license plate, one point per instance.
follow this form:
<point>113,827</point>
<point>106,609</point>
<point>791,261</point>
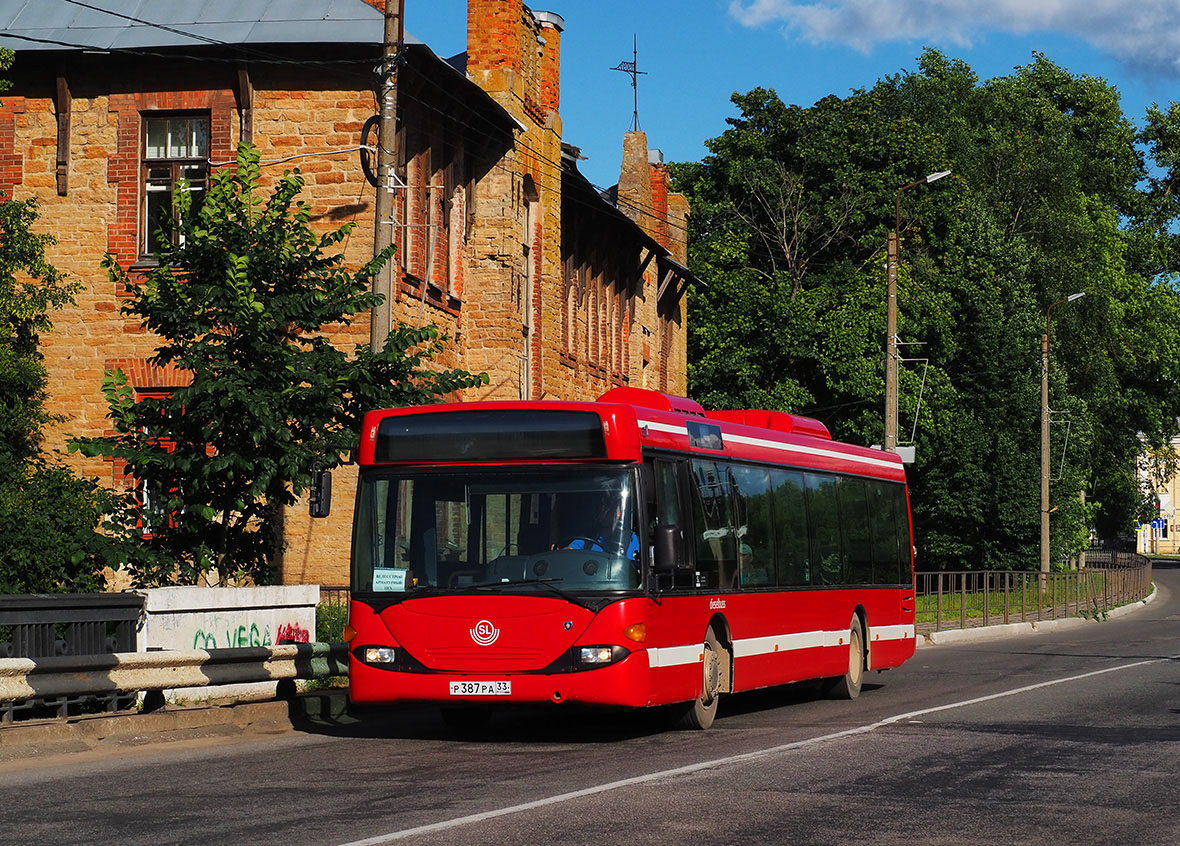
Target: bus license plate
<point>481,688</point>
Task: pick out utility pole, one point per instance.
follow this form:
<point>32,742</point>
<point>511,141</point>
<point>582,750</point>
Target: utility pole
<point>891,344</point>
<point>1045,510</point>
<point>891,258</point>
<point>1045,446</point>
<point>383,207</point>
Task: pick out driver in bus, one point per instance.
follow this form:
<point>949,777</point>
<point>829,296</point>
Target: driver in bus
<point>607,520</point>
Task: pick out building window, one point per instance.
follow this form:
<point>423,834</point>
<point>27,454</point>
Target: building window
<point>175,148</point>
<point>152,497</point>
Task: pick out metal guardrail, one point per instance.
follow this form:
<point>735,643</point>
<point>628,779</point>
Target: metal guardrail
<point>40,626</point>
<point>970,599</point>
<point>28,679</point>
<point>43,625</point>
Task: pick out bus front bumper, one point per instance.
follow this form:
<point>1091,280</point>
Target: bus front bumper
<point>626,683</point>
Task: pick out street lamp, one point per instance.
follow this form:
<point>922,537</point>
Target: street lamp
<point>891,314</point>
<point>1045,431</point>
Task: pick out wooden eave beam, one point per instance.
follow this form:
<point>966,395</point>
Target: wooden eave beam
<point>245,94</point>
<point>669,275</point>
<point>643,264</point>
<point>64,102</point>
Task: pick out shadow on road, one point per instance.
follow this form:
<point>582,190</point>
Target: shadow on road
<point>329,713</point>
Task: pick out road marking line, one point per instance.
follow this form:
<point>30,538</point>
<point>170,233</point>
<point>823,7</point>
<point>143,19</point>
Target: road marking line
<point>727,761</point>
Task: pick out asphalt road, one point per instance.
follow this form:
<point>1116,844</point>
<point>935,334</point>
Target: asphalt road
<point>1067,736</point>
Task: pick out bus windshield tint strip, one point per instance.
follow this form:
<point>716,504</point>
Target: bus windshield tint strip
<point>490,435</point>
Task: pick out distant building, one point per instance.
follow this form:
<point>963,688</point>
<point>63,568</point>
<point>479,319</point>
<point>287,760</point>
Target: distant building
<point>553,289</point>
<point>1159,482</point>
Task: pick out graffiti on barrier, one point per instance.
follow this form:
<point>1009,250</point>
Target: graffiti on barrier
<point>293,633</point>
<point>250,635</point>
<point>243,635</point>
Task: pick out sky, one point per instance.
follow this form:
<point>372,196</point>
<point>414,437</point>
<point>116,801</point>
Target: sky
<point>697,53</point>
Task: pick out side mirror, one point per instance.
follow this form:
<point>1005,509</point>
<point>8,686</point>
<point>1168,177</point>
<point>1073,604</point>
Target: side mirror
<point>669,549</point>
<point>319,500</point>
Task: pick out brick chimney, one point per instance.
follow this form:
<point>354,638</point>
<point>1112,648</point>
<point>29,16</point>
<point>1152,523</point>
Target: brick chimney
<point>660,183</point>
<point>493,40</point>
<point>551,25</point>
<point>635,199</point>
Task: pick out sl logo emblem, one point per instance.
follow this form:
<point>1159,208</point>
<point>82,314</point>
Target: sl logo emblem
<point>485,633</point>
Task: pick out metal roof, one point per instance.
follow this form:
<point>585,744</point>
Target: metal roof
<point>147,24</point>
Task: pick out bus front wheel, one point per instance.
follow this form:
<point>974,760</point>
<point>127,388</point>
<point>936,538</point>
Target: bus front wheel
<point>699,713</point>
<point>848,685</point>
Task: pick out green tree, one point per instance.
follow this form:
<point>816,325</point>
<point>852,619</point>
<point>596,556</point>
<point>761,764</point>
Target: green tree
<point>1049,196</point>
<point>50,538</point>
<point>241,305</point>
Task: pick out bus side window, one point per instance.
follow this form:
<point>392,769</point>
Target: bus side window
<point>752,493</point>
<point>791,541</point>
<point>890,532</point>
<point>712,505</point>
<point>823,510</point>
<point>858,536</point>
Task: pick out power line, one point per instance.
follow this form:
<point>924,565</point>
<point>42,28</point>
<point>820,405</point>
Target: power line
<point>270,58</point>
<point>244,50</point>
<point>537,154</point>
<point>159,26</point>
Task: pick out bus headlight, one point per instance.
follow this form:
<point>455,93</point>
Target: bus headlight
<point>597,655</point>
<point>379,655</point>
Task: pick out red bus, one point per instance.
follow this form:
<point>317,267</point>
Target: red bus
<point>635,551</point>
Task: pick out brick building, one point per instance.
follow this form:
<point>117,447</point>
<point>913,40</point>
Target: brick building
<point>553,289</point>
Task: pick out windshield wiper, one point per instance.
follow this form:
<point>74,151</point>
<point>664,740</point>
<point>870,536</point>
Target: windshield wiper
<point>515,582</point>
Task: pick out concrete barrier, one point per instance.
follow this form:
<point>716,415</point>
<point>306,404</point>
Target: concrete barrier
<point>205,618</point>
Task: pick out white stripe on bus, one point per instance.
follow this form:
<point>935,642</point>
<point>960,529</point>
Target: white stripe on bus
<point>891,633</point>
<point>806,450</point>
<point>665,427</point>
<point>765,444</point>
<point>675,656</point>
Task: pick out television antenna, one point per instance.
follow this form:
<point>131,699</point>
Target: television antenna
<point>632,69</point>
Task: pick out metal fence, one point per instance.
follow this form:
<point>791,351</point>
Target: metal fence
<point>1100,581</point>
<point>48,626</point>
<point>962,600</point>
<point>331,614</point>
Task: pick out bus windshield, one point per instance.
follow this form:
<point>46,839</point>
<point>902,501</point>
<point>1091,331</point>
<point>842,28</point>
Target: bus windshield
<point>490,528</point>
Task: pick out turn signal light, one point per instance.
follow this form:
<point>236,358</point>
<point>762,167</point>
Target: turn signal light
<point>349,634</point>
<point>636,632</point>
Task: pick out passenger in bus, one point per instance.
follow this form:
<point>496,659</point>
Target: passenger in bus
<point>753,573</point>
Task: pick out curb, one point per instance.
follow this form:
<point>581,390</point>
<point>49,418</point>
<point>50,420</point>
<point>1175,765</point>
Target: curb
<point>105,731</point>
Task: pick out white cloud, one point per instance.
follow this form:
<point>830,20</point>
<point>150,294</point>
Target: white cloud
<point>1142,34</point>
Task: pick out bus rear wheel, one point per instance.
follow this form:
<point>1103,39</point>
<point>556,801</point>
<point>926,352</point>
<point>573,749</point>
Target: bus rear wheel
<point>700,713</point>
<point>848,685</point>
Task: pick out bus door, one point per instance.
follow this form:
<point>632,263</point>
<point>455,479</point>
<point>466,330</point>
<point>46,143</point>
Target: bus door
<point>664,483</point>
